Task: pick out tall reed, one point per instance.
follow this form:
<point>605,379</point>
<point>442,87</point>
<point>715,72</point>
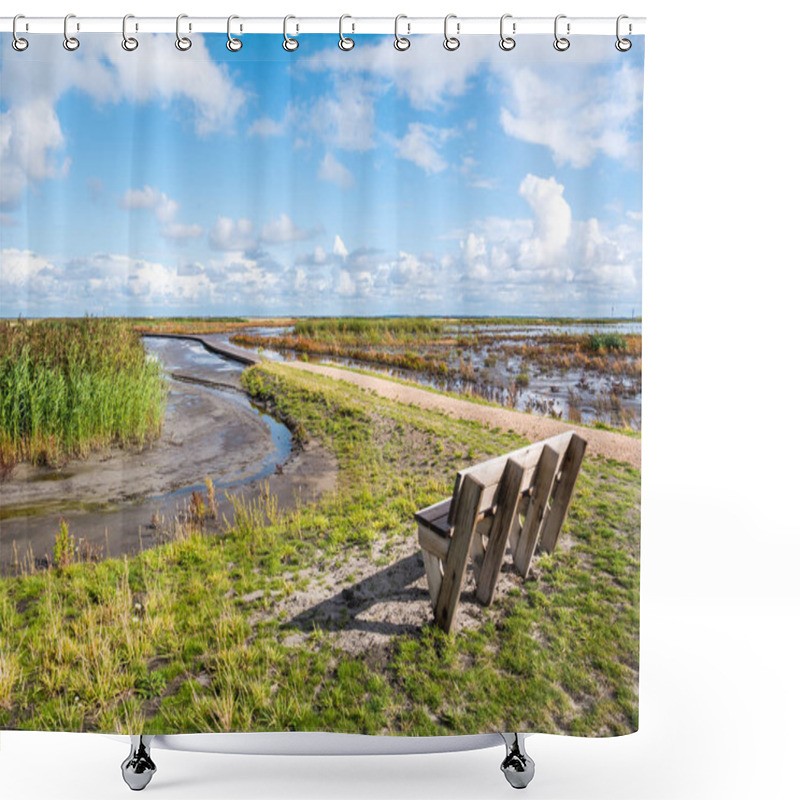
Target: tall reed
<point>69,386</point>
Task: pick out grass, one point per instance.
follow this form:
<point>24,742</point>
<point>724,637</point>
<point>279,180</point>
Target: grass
<point>70,386</point>
<point>369,330</point>
<point>201,325</point>
<point>163,642</point>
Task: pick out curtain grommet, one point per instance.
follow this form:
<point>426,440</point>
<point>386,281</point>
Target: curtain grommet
<point>70,43</point>
<point>451,43</point>
<point>19,43</point>
<point>183,43</point>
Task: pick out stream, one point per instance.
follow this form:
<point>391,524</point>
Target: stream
<point>111,499</point>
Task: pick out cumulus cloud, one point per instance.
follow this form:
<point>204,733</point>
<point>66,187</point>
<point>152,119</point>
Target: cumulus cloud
<point>281,230</point>
<point>266,127</point>
<point>230,234</point>
<point>162,206</point>
<point>421,146</point>
<point>342,119</point>
<point>22,267</point>
<point>338,247</point>
<point>31,138</point>
<point>576,120</point>
<point>177,231</point>
<point>243,235</point>
<point>550,259</point>
<point>335,172</point>
<point>165,210</point>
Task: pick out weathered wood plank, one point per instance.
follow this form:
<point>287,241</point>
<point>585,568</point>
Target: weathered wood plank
<point>466,519</point>
<point>433,569</point>
<point>508,497</point>
<point>562,494</point>
<point>432,542</point>
<point>434,512</point>
<point>489,472</point>
<point>536,507</point>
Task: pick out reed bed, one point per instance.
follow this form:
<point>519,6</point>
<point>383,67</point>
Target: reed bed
<point>70,386</point>
<point>369,330</point>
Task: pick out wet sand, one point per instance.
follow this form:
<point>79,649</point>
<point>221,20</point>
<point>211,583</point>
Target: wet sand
<point>211,428</point>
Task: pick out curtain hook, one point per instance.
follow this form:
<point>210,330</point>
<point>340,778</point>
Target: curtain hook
<point>507,42</point>
<point>345,42</point>
<point>181,42</point>
<point>623,45</point>
<point>70,42</point>
<point>451,42</point>
<point>18,43</point>
<point>289,44</point>
<point>233,44</point>
<point>561,43</point>
<point>128,42</point>
<point>400,42</point>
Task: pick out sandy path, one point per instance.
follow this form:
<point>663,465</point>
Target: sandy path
<point>532,426</point>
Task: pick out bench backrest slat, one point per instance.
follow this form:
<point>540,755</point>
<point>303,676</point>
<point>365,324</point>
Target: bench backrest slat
<point>490,472</point>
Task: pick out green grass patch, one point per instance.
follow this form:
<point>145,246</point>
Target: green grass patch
<point>164,642</point>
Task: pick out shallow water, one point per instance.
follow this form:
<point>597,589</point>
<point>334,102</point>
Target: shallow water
<point>587,395</point>
<point>110,498</point>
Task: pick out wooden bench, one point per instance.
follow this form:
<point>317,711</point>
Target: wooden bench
<point>483,516</point>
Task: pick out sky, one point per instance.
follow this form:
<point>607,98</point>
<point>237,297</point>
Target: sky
<point>320,182</point>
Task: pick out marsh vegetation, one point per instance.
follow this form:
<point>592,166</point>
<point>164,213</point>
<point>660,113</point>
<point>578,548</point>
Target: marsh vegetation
<point>199,634</point>
<point>70,386</point>
<point>586,371</point>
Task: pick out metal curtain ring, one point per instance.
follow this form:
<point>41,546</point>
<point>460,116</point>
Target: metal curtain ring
<point>181,42</point>
<point>623,45</point>
<point>128,42</point>
<point>233,44</point>
<point>506,42</point>
<point>450,42</point>
<point>70,42</point>
<point>400,42</point>
<point>561,43</point>
<point>18,43</point>
<point>289,44</point>
<point>345,42</point>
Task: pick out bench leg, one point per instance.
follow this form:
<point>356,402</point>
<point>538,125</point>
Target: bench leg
<point>434,569</point>
<point>517,766</point>
<point>138,768</point>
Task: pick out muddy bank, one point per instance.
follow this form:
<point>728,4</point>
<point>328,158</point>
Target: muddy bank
<point>211,429</point>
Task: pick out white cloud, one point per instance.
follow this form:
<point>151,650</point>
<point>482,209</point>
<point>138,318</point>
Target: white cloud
<point>30,135</point>
<point>338,247</point>
<point>552,215</point>
<point>343,119</point>
<point>243,235</point>
<point>335,172</point>
<point>30,130</point>
<point>266,127</point>
<point>165,210</point>
<point>426,78</point>
<point>420,144</point>
<point>21,267</point>
<point>178,231</point>
<point>282,230</point>
<point>229,234</point>
<point>551,260</point>
<point>576,119</point>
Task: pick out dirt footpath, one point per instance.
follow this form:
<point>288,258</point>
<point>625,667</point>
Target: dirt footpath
<point>533,427</point>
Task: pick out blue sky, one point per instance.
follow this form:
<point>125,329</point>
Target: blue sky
<point>320,182</point>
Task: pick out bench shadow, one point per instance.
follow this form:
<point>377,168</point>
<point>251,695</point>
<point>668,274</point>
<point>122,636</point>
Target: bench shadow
<point>342,611</point>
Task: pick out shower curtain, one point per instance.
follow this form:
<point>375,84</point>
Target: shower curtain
<point>260,306</point>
